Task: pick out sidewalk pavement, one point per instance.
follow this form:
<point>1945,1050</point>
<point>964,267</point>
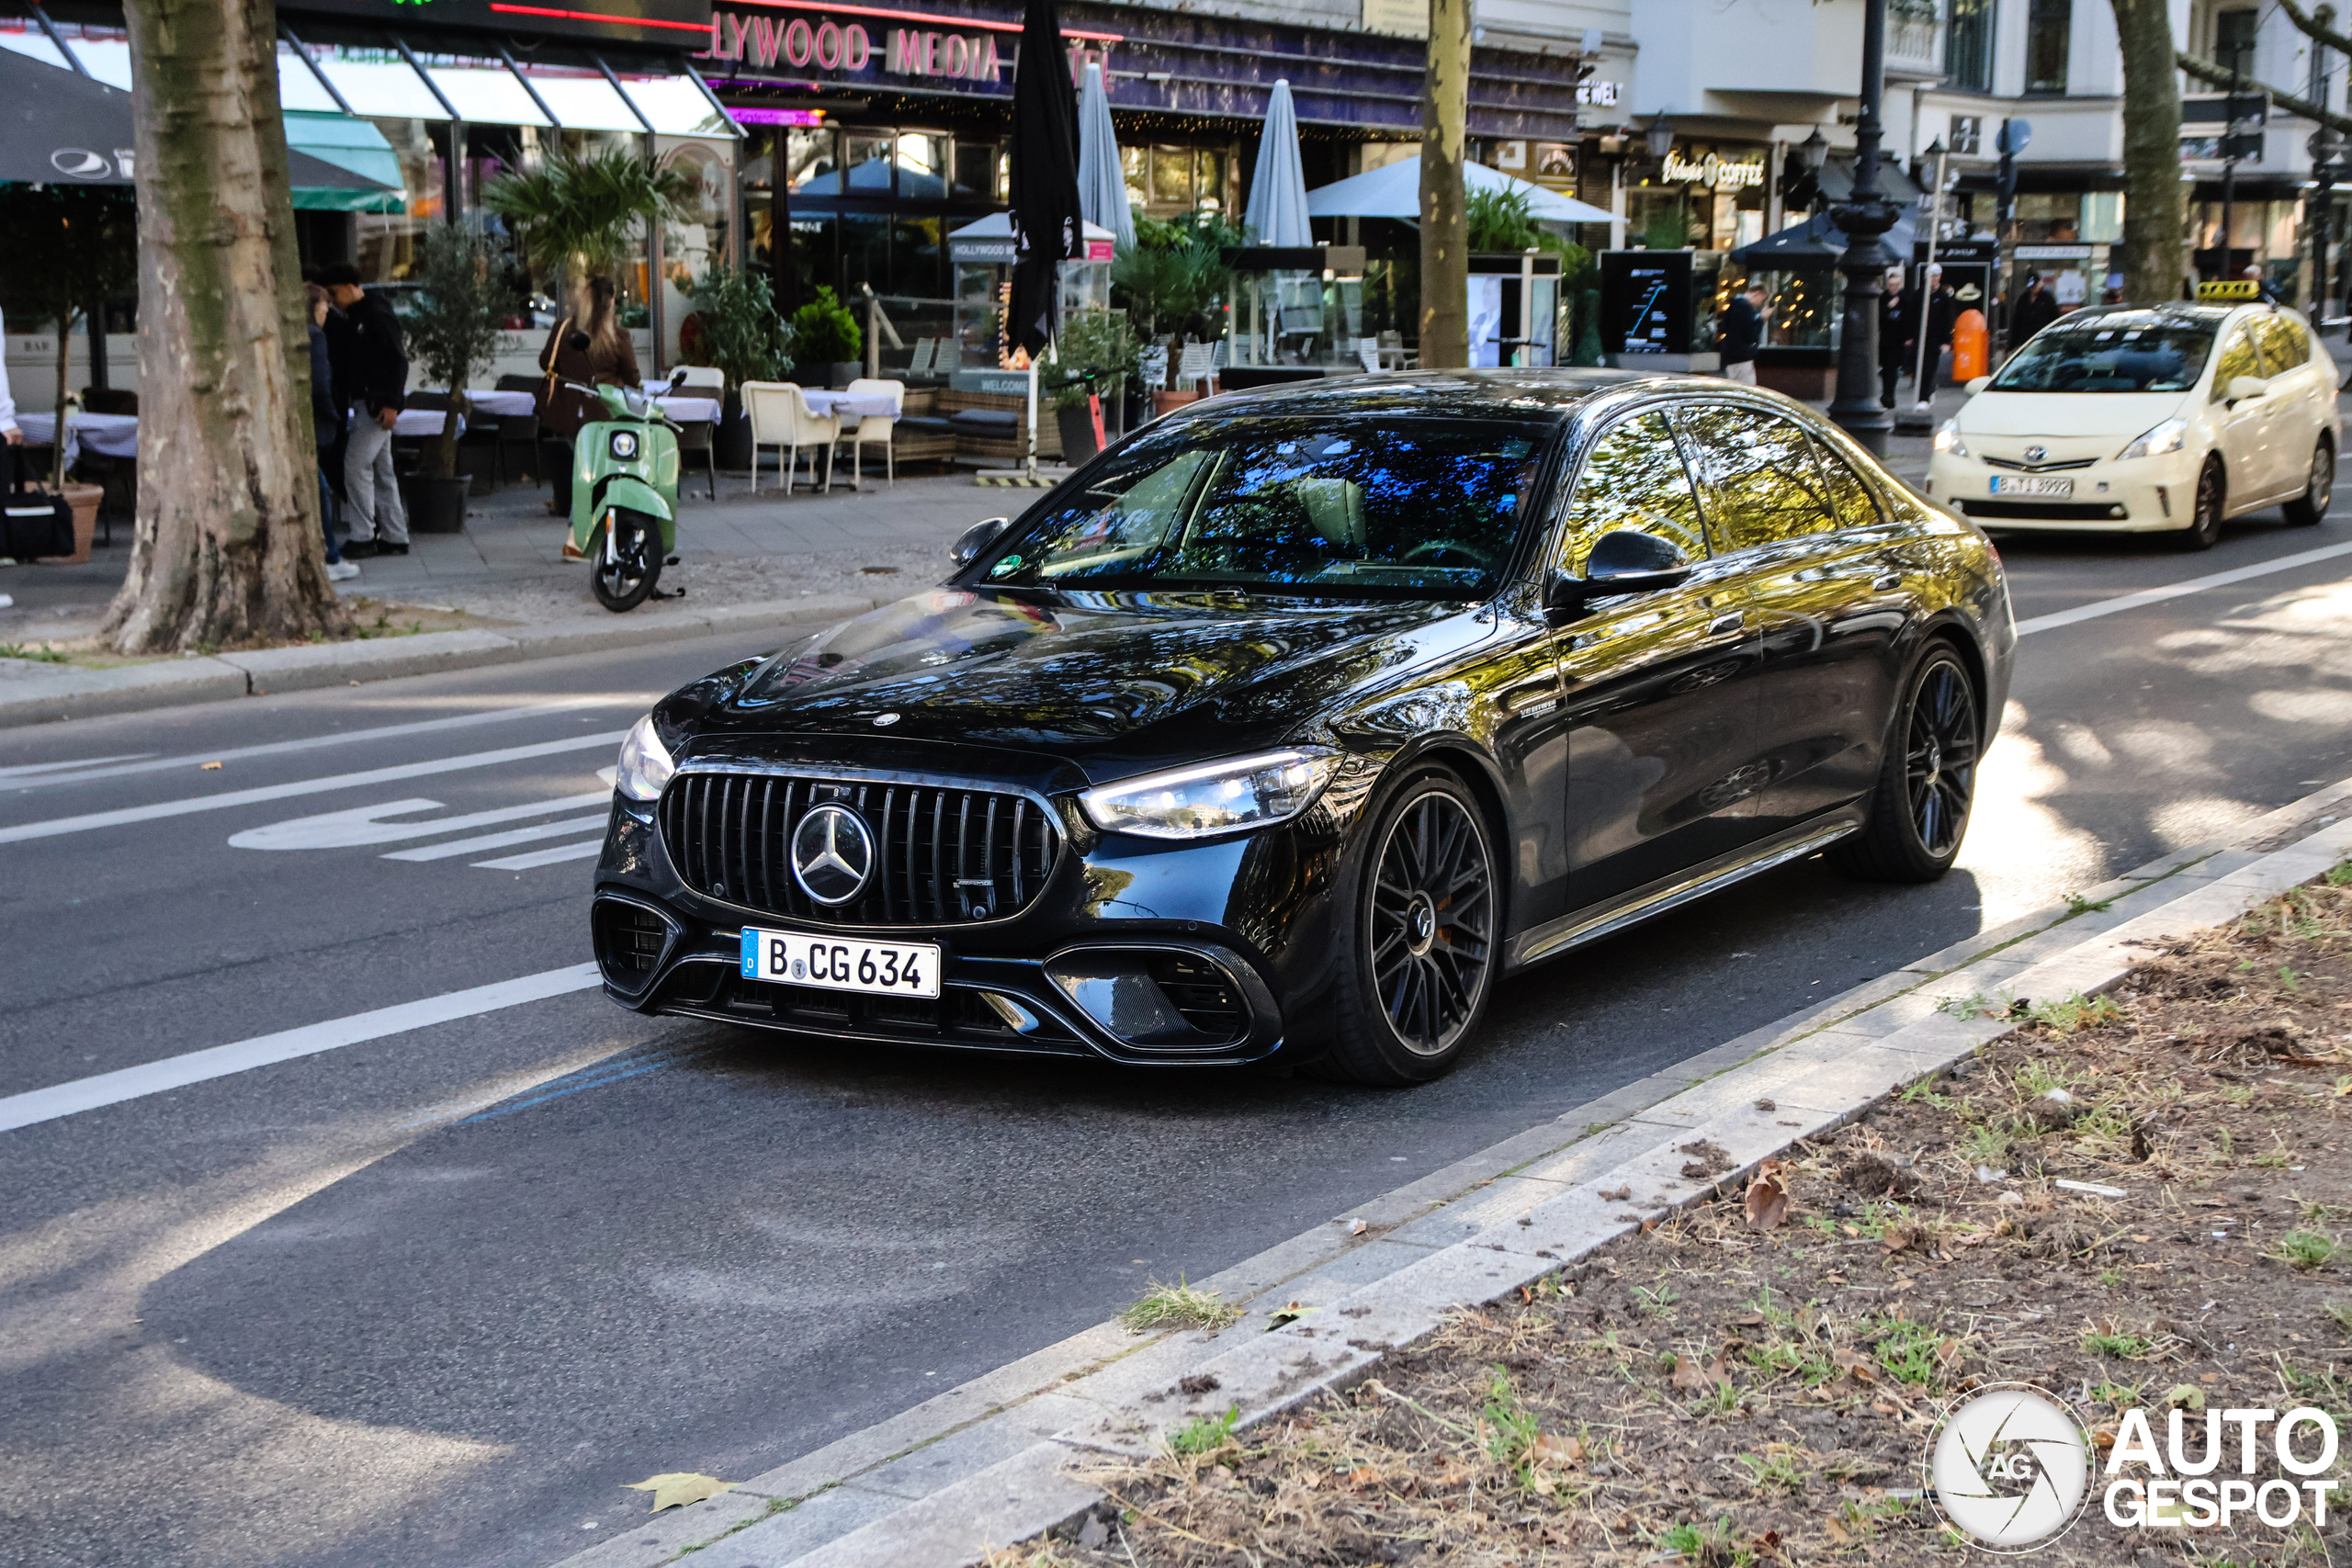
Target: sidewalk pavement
<point>981,1467</point>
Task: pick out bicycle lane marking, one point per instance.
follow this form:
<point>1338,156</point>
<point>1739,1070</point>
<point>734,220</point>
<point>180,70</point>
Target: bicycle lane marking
<point>2147,597</point>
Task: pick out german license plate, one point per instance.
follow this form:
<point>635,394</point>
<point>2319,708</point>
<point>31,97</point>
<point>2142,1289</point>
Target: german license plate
<point>876,968</point>
<point>2026,484</point>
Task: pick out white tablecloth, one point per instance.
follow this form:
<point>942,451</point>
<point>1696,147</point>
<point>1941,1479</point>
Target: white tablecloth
<point>690,411</point>
<point>107,434</point>
<point>848,406</point>
<point>505,405</point>
<point>423,422</point>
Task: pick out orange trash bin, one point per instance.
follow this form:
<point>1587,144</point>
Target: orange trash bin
<point>1969,346</point>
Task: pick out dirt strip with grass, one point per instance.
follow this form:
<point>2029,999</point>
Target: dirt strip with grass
<point>1755,1381</point>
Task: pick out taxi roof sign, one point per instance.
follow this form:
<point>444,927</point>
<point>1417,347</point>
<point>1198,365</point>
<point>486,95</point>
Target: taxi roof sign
<point>2233,288</point>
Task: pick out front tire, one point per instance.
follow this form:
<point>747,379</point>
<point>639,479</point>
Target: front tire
<point>2306,510</point>
<point>2204,530</point>
<point>1422,942</point>
<point>622,577</point>
<point>1927,783</point>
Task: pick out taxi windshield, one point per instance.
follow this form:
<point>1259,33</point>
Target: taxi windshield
<point>2121,351</point>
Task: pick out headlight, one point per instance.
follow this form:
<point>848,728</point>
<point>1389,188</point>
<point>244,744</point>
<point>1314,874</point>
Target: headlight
<point>1218,797</point>
<point>1947,439</point>
<point>645,763</point>
<point>2166,437</point>
<point>624,445</point>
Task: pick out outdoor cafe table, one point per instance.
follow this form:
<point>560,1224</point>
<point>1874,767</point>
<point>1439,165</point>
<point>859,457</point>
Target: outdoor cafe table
<point>107,434</point>
<point>846,406</point>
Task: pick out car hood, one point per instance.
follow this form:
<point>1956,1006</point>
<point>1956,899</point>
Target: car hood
<point>2119,414</point>
<point>1117,682</point>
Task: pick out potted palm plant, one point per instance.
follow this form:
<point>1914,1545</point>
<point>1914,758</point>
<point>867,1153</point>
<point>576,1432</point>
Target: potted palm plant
<point>580,215</point>
<point>452,325</point>
<point>824,333</point>
<point>738,332</point>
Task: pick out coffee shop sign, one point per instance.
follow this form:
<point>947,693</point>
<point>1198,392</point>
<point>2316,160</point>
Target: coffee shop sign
<point>832,46</point>
<point>1714,173</point>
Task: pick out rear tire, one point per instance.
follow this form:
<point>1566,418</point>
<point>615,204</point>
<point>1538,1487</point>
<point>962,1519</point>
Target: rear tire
<point>1421,944</point>
<point>2204,530</point>
<point>2306,510</point>
<point>626,582</point>
<point>1927,781</point>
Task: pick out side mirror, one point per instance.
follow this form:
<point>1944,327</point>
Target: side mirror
<point>677,377</point>
<point>1978,384</point>
<point>1622,561</point>
<point>2244,387</point>
<point>976,539</point>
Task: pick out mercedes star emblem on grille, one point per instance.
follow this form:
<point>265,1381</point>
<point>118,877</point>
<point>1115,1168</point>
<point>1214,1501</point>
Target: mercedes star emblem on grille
<point>2035,454</point>
<point>833,854</point>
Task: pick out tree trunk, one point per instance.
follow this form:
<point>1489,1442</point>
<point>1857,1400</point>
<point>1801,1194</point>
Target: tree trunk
<point>2154,209</point>
<point>227,549</point>
<point>1445,256</point>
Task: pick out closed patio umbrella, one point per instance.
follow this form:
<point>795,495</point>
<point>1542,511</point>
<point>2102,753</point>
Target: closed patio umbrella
<point>1277,207</point>
<point>1394,190</point>
<point>1102,183</point>
<point>1045,178</point>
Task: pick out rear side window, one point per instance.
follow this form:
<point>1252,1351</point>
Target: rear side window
<point>1758,480</point>
<point>1857,507</point>
<point>1633,480</point>
<point>2285,345</point>
<point>2237,360</point>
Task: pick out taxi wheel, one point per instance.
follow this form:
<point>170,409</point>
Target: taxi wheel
<point>2307,509</point>
<point>2204,530</point>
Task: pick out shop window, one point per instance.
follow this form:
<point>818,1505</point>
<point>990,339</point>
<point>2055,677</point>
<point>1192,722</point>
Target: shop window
<point>387,240</point>
<point>1174,178</point>
<point>697,240</point>
<point>810,156</point>
<point>923,166</point>
<point>1209,185</point>
<point>814,262</point>
<point>2049,32</point>
<point>1138,178</point>
<point>916,259</point>
<point>975,169</point>
<point>2048,218</point>
<point>1968,45</point>
<point>866,166</point>
<point>2233,33</point>
<point>866,252</point>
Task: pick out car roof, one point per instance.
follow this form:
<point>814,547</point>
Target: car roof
<point>1547,396</point>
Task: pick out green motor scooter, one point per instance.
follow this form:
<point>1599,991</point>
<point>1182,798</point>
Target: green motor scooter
<point>625,495</point>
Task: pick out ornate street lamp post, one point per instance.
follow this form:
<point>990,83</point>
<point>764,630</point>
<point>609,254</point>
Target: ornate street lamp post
<point>1865,217</point>
<point>2324,145</point>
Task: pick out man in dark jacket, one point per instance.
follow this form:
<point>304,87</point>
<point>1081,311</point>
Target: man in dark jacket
<point>2035,309</point>
<point>326,422</point>
<point>372,371</point>
<point>1898,335</point>
<point>1742,332</point>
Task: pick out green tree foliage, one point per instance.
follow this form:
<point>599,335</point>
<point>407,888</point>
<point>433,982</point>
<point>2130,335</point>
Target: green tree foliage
<point>1095,348</point>
<point>742,333</point>
<point>452,321</point>
<point>581,213</point>
<point>1175,275</point>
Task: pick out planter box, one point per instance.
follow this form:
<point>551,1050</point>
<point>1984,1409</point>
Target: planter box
<point>83,500</point>
<point>435,505</point>
<point>1168,402</point>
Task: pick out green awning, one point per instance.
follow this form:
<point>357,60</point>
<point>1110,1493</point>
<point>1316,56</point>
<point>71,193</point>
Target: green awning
<point>348,198</point>
<point>342,164</point>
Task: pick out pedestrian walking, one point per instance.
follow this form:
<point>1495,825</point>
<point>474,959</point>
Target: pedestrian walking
<point>2035,309</point>
<point>326,422</point>
<point>1941,309</point>
<point>1741,334</point>
<point>589,348</point>
<point>370,372</point>
<point>1898,335</point>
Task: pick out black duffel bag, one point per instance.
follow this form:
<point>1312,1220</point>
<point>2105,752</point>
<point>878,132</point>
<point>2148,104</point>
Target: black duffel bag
<point>33,522</point>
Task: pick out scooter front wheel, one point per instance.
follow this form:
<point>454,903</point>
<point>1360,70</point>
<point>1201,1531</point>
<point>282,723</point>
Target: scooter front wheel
<point>626,566</point>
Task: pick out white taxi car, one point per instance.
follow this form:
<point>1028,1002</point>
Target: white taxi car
<point>2127,419</point>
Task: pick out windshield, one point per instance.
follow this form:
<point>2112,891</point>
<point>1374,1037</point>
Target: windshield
<point>1416,506</point>
<point>2125,351</point>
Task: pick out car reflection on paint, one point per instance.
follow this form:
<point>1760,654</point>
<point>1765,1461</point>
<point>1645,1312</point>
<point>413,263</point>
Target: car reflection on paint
<point>1291,723</point>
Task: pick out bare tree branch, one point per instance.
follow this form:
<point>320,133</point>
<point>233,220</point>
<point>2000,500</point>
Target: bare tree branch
<point>2205,71</point>
<point>2315,28</point>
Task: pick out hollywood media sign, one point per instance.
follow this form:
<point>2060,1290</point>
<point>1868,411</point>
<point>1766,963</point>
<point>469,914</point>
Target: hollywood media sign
<point>800,44</point>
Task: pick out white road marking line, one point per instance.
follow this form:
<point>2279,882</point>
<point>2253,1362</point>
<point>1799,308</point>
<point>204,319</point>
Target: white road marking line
<point>365,824</point>
<point>341,737</point>
<point>29,768</point>
<point>57,824</point>
<point>2177,590</point>
<point>546,857</point>
<point>243,1055</point>
<point>499,841</point>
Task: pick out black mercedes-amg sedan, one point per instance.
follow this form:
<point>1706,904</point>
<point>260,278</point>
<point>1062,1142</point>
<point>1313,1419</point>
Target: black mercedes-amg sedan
<point>1288,725</point>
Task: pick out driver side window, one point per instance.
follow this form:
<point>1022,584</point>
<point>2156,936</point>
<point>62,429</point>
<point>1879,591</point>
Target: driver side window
<point>2237,360</point>
<point>1634,479</point>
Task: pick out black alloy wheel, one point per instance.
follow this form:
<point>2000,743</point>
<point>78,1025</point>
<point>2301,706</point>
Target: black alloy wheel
<point>1422,958</point>
<point>2204,530</point>
<point>1919,812</point>
<point>623,575</point>
<point>2306,510</point>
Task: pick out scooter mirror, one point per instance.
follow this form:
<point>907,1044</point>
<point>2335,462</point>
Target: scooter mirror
<point>677,377</point>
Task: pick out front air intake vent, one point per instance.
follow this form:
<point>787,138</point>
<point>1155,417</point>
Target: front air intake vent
<point>941,856</point>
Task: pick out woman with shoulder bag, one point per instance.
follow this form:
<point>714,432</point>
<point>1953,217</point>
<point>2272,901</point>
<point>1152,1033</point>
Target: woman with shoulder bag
<point>589,348</point>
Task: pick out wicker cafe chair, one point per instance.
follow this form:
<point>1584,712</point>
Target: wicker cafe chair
<point>782,418</point>
<point>875,429</point>
<point>701,435</point>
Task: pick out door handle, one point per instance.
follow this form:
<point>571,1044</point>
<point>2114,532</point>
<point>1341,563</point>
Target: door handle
<point>1731,621</point>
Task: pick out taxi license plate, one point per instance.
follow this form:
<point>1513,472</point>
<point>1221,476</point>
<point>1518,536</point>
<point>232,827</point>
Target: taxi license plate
<point>876,968</point>
<point>2004,484</point>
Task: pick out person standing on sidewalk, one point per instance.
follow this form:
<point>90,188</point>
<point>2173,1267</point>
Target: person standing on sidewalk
<point>1742,333</point>
<point>371,372</point>
<point>2035,309</point>
<point>593,350</point>
<point>326,421</point>
<point>1898,334</point>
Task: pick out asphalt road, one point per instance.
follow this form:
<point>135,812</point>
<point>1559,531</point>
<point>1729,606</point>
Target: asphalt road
<point>433,1298</point>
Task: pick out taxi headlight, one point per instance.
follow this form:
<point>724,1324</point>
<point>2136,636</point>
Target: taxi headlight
<point>624,444</point>
<point>1217,797</point>
<point>2166,437</point>
<point>646,765</point>
<point>1947,439</point>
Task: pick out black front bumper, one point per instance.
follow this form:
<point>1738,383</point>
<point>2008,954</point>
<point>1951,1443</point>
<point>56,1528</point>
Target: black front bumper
<point>1134,951</point>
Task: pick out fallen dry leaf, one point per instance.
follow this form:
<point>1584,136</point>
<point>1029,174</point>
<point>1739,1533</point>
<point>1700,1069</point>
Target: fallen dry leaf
<point>1363,1476</point>
<point>1690,1377</point>
<point>1767,1196</point>
<point>1357,1227</point>
<point>211,768</point>
<point>678,1488</point>
<point>1550,1448</point>
<point>1897,1238</point>
<point>1616,1195</point>
<point>1861,1366</point>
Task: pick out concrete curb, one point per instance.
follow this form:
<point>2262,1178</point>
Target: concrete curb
<point>987,1465</point>
<point>68,692</point>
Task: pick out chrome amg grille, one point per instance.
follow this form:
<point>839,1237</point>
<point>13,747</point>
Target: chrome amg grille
<point>943,856</point>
